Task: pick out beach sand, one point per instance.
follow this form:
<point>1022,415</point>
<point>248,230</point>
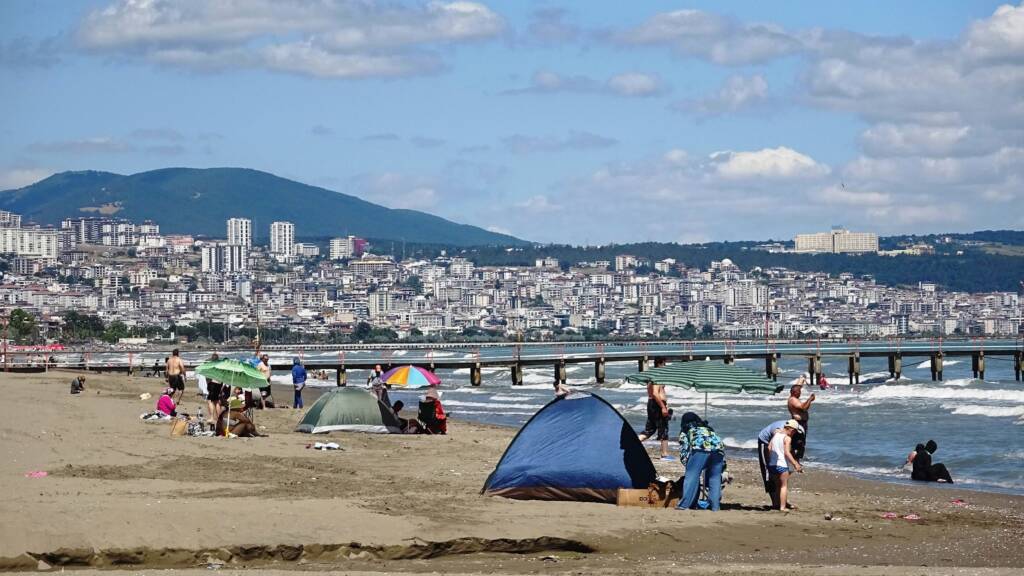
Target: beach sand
<point>121,493</point>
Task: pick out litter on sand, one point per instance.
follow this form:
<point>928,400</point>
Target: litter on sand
<point>324,446</point>
<point>890,515</point>
<point>958,502</point>
<point>911,517</point>
<point>37,474</point>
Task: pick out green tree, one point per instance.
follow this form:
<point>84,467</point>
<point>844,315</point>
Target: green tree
<point>362,331</point>
<point>22,327</point>
<point>115,331</point>
<point>689,331</point>
<point>414,283</point>
<point>708,331</point>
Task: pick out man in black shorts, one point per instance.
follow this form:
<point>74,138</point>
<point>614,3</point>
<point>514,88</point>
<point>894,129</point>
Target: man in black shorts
<point>176,373</point>
<point>658,416</point>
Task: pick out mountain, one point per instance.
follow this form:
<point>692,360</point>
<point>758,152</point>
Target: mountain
<point>198,201</point>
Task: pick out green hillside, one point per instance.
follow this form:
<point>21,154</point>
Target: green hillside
<point>194,201</point>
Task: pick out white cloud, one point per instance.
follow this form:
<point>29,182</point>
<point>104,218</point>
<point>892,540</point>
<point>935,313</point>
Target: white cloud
<point>781,162</point>
<point>21,177</point>
<point>1001,36</point>
<point>635,84</point>
<point>326,38</point>
<point>538,203</point>
<point>736,93</point>
<point>844,196</point>
<point>396,190</point>
<point>716,38</point>
<point>627,84</point>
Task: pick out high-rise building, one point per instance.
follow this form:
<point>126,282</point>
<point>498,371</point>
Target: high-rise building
<point>282,239</point>
<point>348,247</point>
<point>240,232</point>
<point>838,241</point>
<point>220,258</point>
<point>9,220</point>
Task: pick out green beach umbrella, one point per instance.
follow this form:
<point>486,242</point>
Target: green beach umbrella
<point>708,376</point>
<point>233,373</point>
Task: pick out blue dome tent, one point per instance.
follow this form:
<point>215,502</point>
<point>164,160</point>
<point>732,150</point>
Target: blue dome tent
<point>575,448</point>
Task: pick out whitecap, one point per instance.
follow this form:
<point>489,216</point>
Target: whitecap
<point>903,392</point>
<point>982,410</point>
<point>742,444</point>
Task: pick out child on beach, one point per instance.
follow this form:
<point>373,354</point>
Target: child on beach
<point>781,460</point>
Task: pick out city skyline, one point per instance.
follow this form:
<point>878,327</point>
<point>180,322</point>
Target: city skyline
<point>614,124</point>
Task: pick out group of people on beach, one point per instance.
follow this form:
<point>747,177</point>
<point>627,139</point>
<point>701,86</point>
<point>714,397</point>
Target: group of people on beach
<point>781,447</point>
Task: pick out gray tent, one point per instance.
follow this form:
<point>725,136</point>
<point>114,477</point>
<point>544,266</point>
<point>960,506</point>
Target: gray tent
<point>351,410</point>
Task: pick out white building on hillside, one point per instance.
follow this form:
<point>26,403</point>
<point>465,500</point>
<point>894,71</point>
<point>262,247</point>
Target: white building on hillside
<point>240,232</point>
<point>282,239</point>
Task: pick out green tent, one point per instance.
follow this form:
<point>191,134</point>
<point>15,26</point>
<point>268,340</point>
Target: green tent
<point>351,410</point>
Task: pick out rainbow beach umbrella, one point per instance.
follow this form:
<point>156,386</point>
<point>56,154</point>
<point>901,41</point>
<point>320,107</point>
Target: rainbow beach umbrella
<point>410,376</point>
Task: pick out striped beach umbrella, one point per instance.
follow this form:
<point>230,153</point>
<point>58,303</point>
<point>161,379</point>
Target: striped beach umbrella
<point>708,376</point>
<point>410,376</point>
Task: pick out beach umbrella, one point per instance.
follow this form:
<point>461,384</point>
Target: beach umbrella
<point>410,376</point>
<point>708,376</point>
<point>233,373</point>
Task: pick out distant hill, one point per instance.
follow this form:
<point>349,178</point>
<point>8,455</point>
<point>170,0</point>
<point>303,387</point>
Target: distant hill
<point>198,201</point>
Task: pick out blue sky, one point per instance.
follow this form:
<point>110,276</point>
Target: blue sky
<point>597,122</point>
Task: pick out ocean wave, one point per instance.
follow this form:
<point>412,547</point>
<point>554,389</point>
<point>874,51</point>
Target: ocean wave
<point>491,405</point>
<point>742,444</point>
<point>510,397</point>
<point>927,364</point>
<point>906,392</point>
<point>981,410</point>
<point>959,382</point>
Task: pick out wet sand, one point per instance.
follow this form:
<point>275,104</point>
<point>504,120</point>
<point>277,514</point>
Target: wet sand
<point>121,493</point>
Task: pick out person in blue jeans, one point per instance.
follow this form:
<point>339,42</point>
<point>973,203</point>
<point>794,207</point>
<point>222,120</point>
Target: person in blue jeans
<point>702,453</point>
<point>298,380</point>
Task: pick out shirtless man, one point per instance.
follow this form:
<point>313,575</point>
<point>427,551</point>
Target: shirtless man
<point>176,373</point>
<point>658,415</point>
<point>799,411</point>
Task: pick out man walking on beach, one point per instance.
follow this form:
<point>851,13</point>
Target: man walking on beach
<point>176,373</point>
<point>658,416</point>
<point>799,411</point>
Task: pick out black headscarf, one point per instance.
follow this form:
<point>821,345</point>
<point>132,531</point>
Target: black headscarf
<point>691,419</point>
<point>931,446</point>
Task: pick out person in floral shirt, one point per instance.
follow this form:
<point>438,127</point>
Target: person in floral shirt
<point>702,453</point>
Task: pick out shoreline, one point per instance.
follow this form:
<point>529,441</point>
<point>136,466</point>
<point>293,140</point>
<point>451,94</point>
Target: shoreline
<point>122,494</point>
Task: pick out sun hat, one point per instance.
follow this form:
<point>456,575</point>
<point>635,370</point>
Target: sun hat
<point>794,425</point>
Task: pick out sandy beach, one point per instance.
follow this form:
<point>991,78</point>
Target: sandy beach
<point>121,493</point>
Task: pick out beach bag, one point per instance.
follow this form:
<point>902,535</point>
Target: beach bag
<point>179,427</point>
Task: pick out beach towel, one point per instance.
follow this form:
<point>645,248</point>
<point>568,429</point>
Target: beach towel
<point>201,382</point>
<point>155,417</point>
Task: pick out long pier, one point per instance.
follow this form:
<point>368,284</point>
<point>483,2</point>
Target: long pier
<point>515,356</point>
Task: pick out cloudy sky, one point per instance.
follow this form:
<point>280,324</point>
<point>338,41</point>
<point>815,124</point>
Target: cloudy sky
<point>578,122</point>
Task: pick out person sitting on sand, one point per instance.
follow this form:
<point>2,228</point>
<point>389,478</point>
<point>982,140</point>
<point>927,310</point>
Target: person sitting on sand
<point>78,385</point>
<point>781,461</point>
<point>165,404</point>
<point>409,425</point>
<point>234,419</point>
<point>703,454</point>
<point>922,468</point>
<point>432,413</point>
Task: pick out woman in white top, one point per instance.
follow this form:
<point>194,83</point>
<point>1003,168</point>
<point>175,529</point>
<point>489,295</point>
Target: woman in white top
<point>781,460</point>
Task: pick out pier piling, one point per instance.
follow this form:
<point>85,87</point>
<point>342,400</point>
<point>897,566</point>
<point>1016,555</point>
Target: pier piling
<point>895,365</point>
<point>813,369</point>
<point>475,374</point>
<point>936,366</point>
<point>1018,366</point>
<point>517,374</point>
<point>341,377</point>
<point>641,364</point>
<point>560,372</point>
<point>853,368</point>
<point>978,365</point>
<point>771,367</point>
<point>599,371</point>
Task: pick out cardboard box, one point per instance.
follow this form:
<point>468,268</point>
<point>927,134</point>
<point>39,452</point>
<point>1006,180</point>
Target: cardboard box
<point>655,496</point>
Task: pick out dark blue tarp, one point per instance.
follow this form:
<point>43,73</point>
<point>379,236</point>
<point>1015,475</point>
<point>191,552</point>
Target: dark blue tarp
<point>575,448</point>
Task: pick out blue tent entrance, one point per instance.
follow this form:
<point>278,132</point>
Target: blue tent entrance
<point>575,448</point>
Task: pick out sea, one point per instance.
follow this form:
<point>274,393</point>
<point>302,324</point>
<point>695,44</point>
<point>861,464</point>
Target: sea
<point>866,430</point>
